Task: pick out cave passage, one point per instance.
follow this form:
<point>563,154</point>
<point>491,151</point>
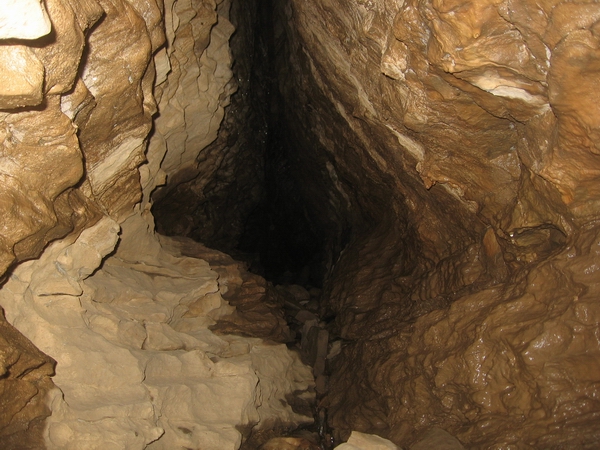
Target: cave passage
<point>254,208</point>
<point>417,180</point>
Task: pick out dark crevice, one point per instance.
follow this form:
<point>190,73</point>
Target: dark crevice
<point>253,207</point>
<point>278,230</point>
<point>250,197</point>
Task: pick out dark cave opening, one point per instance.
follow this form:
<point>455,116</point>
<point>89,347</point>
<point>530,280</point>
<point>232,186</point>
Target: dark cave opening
<point>257,204</point>
<point>279,229</point>
<point>254,206</point>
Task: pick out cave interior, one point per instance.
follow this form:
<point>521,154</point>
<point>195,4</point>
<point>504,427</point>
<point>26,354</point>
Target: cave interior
<point>331,220</point>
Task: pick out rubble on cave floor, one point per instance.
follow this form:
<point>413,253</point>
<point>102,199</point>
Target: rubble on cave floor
<point>309,335</point>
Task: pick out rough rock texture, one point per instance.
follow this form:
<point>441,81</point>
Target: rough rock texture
<point>452,153</point>
<point>125,316</point>
<point>211,189</point>
<point>25,375</point>
<point>442,154</point>
<point>137,366</point>
<point>235,196</point>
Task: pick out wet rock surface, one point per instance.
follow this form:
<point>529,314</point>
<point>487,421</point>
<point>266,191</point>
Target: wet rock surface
<point>434,134</point>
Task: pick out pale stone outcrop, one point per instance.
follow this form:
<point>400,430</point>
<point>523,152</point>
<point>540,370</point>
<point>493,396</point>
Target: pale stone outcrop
<point>362,441</point>
<point>21,73</point>
<point>137,366</point>
<point>23,19</point>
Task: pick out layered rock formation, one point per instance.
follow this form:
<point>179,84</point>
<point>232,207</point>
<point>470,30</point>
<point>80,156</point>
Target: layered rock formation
<point>124,316</point>
<point>455,142</point>
<point>137,366</point>
<point>440,158</point>
<point>210,195</point>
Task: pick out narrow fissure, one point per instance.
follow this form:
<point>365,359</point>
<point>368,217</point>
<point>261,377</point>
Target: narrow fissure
<point>272,229</point>
<point>278,230</point>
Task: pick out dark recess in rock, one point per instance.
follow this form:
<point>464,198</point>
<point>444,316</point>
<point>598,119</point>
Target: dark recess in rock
<point>254,206</point>
<point>434,169</point>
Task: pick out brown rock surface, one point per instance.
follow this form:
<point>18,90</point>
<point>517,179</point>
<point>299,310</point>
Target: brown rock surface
<point>444,152</point>
<point>438,439</point>
<point>452,144</point>
<point>25,382</point>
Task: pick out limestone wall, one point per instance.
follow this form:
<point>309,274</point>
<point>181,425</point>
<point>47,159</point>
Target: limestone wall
<point>445,152</point>
<point>458,142</point>
<point>85,86</point>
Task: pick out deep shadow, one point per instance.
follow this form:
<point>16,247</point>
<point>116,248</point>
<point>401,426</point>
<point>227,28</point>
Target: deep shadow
<point>279,230</point>
<point>273,231</point>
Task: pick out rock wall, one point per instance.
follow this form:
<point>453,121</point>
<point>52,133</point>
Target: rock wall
<point>213,189</point>
<point>137,366</point>
<point>26,380</point>
<point>102,101</point>
<point>452,152</point>
<point>445,153</point>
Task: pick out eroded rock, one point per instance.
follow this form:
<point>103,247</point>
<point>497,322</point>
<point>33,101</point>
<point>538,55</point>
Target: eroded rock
<point>137,365</point>
<point>445,153</point>
<point>136,362</point>
<point>446,141</point>
<point>25,383</point>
